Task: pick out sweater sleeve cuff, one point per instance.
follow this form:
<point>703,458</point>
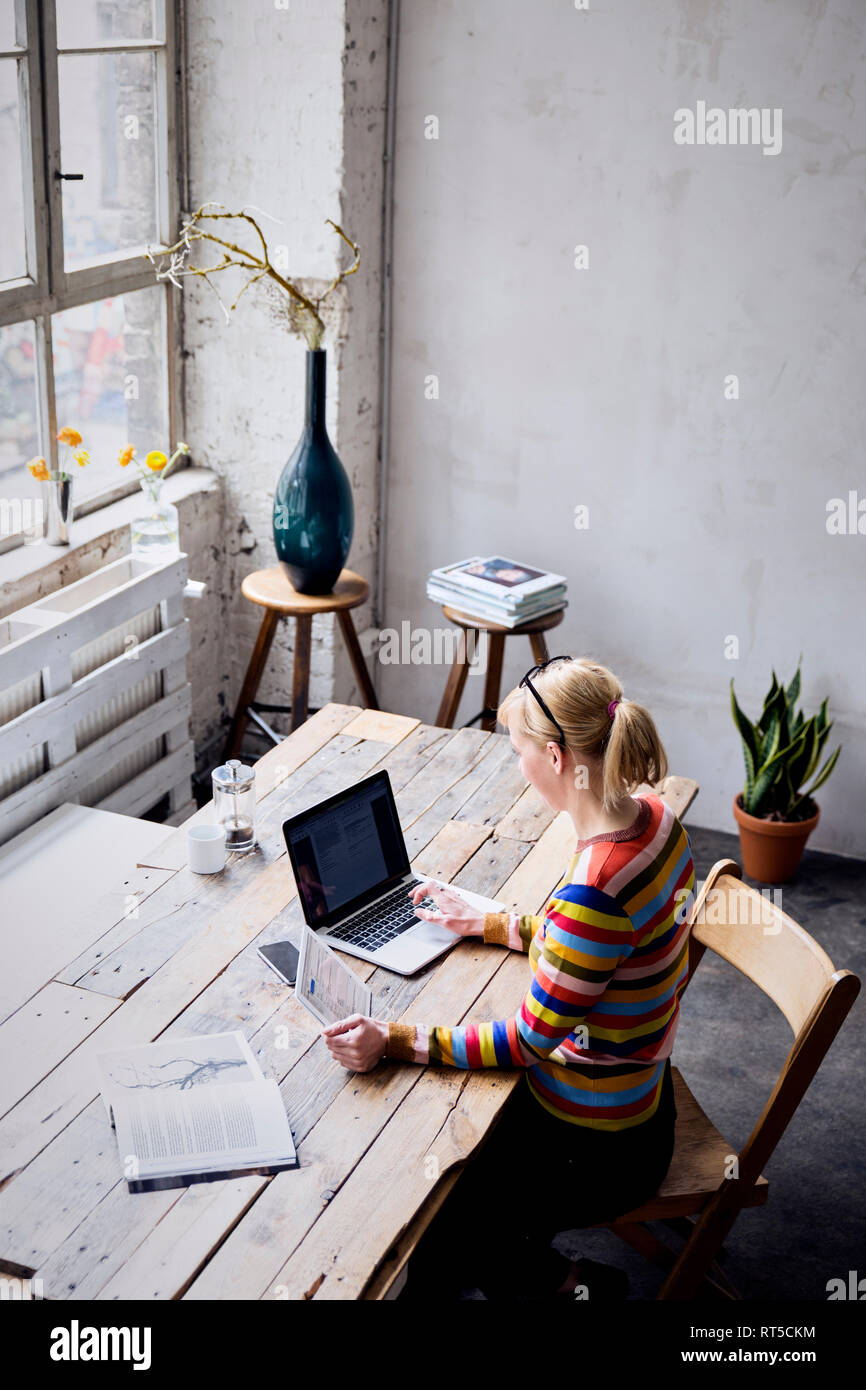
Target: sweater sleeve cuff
<point>496,928</point>
<point>407,1042</point>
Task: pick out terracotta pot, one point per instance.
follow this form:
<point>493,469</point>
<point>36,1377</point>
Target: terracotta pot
<point>771,849</point>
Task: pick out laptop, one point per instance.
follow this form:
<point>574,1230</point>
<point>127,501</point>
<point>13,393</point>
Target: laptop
<point>351,866</point>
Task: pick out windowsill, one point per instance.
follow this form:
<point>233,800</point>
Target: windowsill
<point>27,560</point>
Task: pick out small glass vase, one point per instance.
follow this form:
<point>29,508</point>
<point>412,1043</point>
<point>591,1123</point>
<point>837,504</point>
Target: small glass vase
<point>155,533</point>
<point>57,505</point>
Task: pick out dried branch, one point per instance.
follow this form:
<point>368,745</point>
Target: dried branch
<point>303,314</point>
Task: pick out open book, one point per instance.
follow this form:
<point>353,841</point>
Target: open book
<point>193,1110</point>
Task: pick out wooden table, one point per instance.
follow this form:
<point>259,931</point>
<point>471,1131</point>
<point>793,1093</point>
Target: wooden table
<point>171,953</point>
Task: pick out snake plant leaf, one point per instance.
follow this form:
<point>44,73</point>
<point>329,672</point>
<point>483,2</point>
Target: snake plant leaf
<point>767,776</point>
<point>750,742</point>
<point>822,715</point>
<point>770,741</point>
<point>820,740</point>
<point>793,691</point>
<point>821,778</point>
<point>825,771</point>
<point>789,793</point>
<point>804,756</point>
<point>764,721</point>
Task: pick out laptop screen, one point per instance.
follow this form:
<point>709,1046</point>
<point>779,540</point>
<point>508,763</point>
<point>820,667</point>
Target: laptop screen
<point>345,851</point>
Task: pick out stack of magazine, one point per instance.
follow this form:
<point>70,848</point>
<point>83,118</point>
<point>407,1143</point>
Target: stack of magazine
<point>497,589</point>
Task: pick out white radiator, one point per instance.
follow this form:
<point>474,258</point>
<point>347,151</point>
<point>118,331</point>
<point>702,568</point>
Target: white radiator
<point>94,700</point>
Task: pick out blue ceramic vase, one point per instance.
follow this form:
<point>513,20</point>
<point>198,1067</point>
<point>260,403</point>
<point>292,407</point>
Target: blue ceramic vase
<point>314,515</point>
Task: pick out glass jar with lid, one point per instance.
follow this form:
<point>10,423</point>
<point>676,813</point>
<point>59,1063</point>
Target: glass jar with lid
<point>234,798</point>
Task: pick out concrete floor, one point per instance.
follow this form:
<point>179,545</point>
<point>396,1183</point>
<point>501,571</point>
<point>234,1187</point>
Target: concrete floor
<point>730,1048</point>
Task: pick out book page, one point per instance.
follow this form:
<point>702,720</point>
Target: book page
<point>209,1128</point>
<point>177,1065</point>
<point>327,987</point>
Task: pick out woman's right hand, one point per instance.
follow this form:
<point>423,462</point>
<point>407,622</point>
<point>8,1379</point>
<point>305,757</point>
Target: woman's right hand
<point>455,913</point>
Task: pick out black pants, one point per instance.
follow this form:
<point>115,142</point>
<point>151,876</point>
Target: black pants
<point>535,1176</point>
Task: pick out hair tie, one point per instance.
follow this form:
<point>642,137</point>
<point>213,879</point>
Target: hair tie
<point>611,707</point>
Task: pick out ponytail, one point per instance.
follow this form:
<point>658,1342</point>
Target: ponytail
<point>632,752</point>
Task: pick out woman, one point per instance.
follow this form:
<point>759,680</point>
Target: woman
<point>589,1135</point>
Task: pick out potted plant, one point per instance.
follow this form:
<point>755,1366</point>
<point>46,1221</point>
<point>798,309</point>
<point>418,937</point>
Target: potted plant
<point>781,751</point>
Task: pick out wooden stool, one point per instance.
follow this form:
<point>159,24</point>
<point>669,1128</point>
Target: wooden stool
<point>271,589</point>
<point>534,629</point>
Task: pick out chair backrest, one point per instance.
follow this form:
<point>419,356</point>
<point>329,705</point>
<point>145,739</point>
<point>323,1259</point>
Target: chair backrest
<point>750,931</point>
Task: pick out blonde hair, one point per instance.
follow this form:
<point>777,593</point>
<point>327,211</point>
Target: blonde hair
<point>577,691</point>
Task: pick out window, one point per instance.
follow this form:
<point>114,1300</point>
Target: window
<point>89,157</point>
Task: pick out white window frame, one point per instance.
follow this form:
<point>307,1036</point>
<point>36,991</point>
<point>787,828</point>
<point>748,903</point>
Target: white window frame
<point>48,288</point>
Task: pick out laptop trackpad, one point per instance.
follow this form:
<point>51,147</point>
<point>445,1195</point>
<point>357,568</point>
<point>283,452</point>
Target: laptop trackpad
<point>429,932</point>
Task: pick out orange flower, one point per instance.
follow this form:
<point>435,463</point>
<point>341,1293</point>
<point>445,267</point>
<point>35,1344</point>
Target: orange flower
<point>69,436</point>
<point>39,469</point>
<point>125,455</point>
<point>156,460</point>
<point>81,457</point>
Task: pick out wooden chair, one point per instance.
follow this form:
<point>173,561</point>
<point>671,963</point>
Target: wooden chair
<point>696,1199</point>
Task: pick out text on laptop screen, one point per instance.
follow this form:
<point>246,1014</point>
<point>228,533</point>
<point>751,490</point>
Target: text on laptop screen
<point>342,853</point>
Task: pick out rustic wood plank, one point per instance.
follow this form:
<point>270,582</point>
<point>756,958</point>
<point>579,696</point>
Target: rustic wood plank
<point>528,818</point>
<point>32,957</point>
<point>450,800</point>
<point>381,727</point>
<point>413,753</point>
<point>68,779</point>
<point>532,882</point>
<point>44,1031</point>
<point>441,1122</point>
<point>51,1105</point>
<point>449,850</point>
<point>274,767</point>
<point>207,1211</point>
<point>66,709</point>
<point>678,792</point>
<point>497,795</point>
<point>455,758</point>
<point>133,957</point>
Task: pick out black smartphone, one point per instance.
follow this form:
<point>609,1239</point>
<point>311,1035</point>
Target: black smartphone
<point>282,957</point>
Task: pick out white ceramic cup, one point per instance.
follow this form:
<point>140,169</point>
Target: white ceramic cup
<point>206,846</point>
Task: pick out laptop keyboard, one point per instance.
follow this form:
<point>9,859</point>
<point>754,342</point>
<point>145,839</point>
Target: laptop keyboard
<point>382,921</point>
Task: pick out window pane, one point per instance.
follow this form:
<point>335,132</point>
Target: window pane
<point>81,23</point>
<point>107,133</point>
<point>19,434</point>
<point>110,381</point>
<point>8,36</point>
<point>13,254</point>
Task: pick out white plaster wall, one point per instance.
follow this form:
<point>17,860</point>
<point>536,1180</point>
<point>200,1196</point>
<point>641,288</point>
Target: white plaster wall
<point>268,95</point>
<point>605,387</point>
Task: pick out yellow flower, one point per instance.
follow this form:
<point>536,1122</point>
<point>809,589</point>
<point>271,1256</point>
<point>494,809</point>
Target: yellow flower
<point>69,436</point>
<point>125,455</point>
<point>156,460</point>
<point>81,457</point>
<point>38,468</point>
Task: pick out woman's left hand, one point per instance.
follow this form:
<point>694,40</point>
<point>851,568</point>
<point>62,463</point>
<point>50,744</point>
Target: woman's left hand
<point>357,1042</point>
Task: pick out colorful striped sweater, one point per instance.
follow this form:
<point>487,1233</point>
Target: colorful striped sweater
<point>609,959</point>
